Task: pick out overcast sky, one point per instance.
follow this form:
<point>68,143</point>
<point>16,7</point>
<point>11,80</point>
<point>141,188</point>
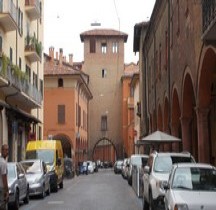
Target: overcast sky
<point>65,20</point>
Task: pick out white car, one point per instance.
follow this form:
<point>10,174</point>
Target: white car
<point>191,186</point>
<point>90,166</point>
<point>156,172</point>
<point>134,160</point>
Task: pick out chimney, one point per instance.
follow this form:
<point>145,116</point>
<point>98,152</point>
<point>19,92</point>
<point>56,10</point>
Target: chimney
<point>60,56</point>
<point>51,53</point>
<point>71,59</point>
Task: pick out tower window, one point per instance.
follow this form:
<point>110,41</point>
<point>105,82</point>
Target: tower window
<point>61,114</point>
<point>104,123</point>
<point>104,73</point>
<point>60,82</point>
<point>104,48</point>
<point>92,45</point>
<point>115,47</point>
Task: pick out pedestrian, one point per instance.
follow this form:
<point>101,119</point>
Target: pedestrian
<point>4,192</point>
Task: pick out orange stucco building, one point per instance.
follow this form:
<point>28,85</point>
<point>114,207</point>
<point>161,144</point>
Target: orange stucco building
<point>128,125</point>
<point>66,99</point>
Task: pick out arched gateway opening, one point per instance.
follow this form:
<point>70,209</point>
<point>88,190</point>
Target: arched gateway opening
<point>104,150</point>
<point>66,145</point>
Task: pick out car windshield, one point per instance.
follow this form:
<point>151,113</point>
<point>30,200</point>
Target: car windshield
<point>33,167</point>
<point>195,178</point>
<point>46,155</point>
<point>11,171</point>
<point>136,161</point>
<point>164,163</point>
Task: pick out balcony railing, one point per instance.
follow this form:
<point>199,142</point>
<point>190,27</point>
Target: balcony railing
<point>17,79</point>
<point>32,8</point>
<point>209,19</point>
<point>33,49</point>
<point>8,15</point>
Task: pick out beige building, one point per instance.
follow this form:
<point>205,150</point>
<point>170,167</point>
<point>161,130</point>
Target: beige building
<point>104,63</point>
<point>21,74</point>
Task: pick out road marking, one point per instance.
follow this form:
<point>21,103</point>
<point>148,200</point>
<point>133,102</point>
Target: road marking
<point>55,202</point>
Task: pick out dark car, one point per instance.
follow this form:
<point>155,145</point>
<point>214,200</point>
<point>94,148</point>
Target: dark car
<point>69,171</point>
<point>18,185</point>
<point>37,177</point>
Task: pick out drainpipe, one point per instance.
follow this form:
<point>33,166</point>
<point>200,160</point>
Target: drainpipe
<point>155,91</point>
<point>169,93</point>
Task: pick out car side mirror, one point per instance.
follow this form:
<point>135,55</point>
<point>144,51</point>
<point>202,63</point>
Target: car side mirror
<point>59,161</point>
<point>147,169</point>
<point>166,185</point>
<point>21,176</point>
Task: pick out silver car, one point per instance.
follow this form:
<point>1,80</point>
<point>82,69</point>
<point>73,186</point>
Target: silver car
<point>37,176</point>
<point>17,184</point>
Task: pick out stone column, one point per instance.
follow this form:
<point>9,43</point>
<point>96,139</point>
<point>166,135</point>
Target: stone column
<point>186,134</point>
<point>203,135</point>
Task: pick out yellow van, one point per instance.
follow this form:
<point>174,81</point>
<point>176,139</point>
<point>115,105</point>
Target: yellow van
<point>50,151</point>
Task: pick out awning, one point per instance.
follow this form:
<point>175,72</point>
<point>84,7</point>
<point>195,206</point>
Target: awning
<point>22,114</point>
<point>158,137</point>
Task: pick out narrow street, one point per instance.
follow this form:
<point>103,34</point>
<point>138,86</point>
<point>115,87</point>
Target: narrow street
<point>103,190</point>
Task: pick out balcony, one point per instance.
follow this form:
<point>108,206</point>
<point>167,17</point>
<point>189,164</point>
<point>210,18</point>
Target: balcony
<point>13,83</point>
<point>209,20</point>
<point>32,8</point>
<point>33,49</point>
<point>130,102</point>
<point>8,15</point>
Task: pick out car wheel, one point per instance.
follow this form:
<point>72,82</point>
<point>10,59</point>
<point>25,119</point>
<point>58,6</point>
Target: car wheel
<point>26,199</point>
<point>15,205</point>
<point>43,194</point>
<point>130,181</point>
<point>48,190</point>
<point>145,205</point>
<point>55,187</point>
<point>61,185</point>
<point>151,202</point>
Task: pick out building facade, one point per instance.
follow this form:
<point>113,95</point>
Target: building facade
<point>104,63</point>
<point>21,74</point>
<point>177,58</point>
<point>66,99</point>
<point>130,97</point>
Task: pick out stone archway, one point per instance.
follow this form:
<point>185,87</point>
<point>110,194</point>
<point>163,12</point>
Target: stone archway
<point>105,150</point>
<point>206,108</point>
<point>188,119</point>
<point>175,120</point>
<point>66,144</point>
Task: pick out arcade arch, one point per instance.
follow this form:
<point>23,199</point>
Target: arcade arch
<point>104,150</point>
<point>66,144</point>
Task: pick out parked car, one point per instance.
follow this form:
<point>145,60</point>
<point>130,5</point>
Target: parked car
<point>191,186</point>
<point>37,177</point>
<point>125,168</point>
<point>134,160</point>
<point>118,166</point>
<point>156,172</point>
<point>17,184</point>
<point>81,168</point>
<point>69,171</point>
<point>90,165</point>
